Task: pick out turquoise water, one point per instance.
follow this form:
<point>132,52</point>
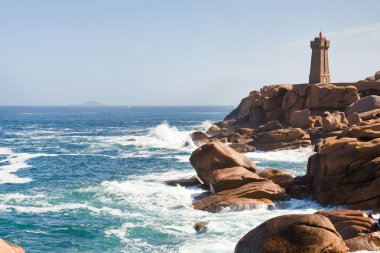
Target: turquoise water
<point>91,180</point>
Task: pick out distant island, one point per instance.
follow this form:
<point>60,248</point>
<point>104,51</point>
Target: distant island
<point>92,103</point>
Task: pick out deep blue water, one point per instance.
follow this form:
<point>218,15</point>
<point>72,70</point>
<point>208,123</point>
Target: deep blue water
<point>76,179</point>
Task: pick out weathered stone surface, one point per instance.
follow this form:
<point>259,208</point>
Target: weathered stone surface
<point>276,175</point>
<point>271,125</point>
<point>368,242</point>
<point>257,116</point>
<point>216,155</point>
<point>346,171</point>
<point>364,105</point>
<point>269,104</point>
<point>362,132</point>
<point>353,119</point>
<point>334,121</point>
<point>245,197</point>
<point>330,97</point>
<point>308,233</point>
<point>377,75</point>
<point>7,247</point>
<point>301,119</point>
<point>276,114</point>
<point>236,138</point>
<point>241,147</point>
<point>199,138</point>
<point>243,109</point>
<point>248,132</point>
<point>213,130</point>
<point>280,139</point>
<point>370,114</point>
<point>350,223</point>
<point>230,178</point>
<point>275,90</point>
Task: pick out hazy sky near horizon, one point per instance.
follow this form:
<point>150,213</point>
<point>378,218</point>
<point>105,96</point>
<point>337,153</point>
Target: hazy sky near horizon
<point>163,52</point>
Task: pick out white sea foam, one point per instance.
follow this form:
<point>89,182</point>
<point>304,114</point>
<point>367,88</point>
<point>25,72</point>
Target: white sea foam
<point>162,136</point>
<point>299,155</point>
<point>15,161</point>
<point>168,210</point>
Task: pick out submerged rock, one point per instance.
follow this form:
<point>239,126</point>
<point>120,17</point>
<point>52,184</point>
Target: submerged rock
<point>307,233</point>
<point>200,227</point>
<point>185,182</point>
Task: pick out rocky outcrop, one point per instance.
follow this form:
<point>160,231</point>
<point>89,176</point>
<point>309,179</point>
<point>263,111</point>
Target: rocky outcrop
<point>308,233</point>
<point>247,196</point>
<point>276,175</point>
<point>230,178</point>
<point>350,223</point>
<point>346,170</point>
<point>330,97</point>
<point>241,147</point>
<point>199,138</point>
<point>216,155</point>
<point>334,121</point>
<point>364,105</point>
<point>280,139</point>
<point>367,242</point>
<point>7,247</point>
<point>301,119</point>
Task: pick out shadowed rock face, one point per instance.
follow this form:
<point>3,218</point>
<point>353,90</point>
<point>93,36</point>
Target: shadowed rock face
<point>216,155</point>
<point>346,170</point>
<point>310,233</point>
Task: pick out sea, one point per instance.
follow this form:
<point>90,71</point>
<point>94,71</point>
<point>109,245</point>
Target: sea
<point>92,179</point>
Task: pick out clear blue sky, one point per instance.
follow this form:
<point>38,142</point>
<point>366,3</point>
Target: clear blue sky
<point>208,52</point>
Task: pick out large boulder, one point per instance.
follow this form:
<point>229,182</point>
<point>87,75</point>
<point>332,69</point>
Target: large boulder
<point>281,139</point>
<point>216,155</point>
<point>247,196</point>
<point>276,175</point>
<point>346,170</point>
<point>7,247</point>
<point>199,138</point>
<point>364,105</point>
<point>350,223</point>
<point>301,119</point>
<point>230,178</point>
<point>330,97</point>
<point>241,147</point>
<point>307,233</point>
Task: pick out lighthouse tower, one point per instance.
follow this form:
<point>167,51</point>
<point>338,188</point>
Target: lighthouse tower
<point>319,69</point>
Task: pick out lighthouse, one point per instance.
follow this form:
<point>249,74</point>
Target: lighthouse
<point>319,68</point>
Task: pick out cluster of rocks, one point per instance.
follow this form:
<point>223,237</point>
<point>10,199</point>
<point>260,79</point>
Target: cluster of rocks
<point>342,121</point>
<point>335,231</point>
<point>291,116</point>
